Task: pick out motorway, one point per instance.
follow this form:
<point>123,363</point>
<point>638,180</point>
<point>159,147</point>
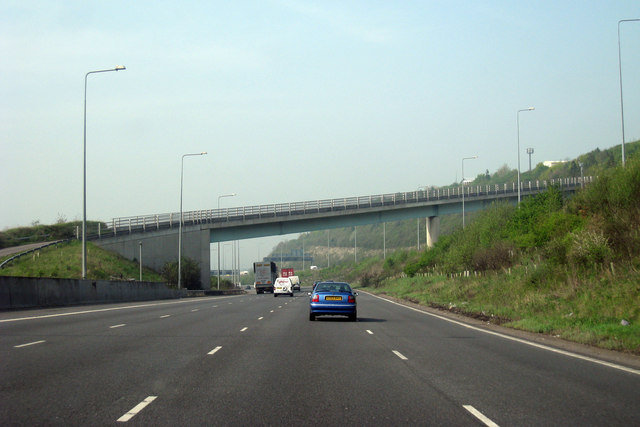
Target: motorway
<point>257,360</point>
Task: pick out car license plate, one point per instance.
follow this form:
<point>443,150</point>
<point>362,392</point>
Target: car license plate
<point>332,298</point>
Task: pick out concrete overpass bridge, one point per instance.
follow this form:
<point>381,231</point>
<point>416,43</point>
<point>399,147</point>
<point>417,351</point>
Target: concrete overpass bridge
<point>159,233</point>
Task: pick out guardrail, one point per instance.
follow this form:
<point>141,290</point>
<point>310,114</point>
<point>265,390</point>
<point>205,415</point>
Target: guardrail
<point>14,257</point>
<point>136,224</point>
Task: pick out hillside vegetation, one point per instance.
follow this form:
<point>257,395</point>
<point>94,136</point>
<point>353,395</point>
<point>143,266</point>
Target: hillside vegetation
<point>567,267</point>
<point>404,234</point>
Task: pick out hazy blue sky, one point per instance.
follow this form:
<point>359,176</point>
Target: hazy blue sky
<point>296,100</point>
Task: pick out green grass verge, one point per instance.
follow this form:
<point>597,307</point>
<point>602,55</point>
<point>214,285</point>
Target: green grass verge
<point>586,310</point>
<point>65,261</point>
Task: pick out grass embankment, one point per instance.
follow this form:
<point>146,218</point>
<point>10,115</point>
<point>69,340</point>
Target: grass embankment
<point>65,261</point>
<point>566,267</point>
<point>587,310</point>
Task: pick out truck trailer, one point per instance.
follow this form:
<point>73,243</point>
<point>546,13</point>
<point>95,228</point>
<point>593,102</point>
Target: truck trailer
<point>265,276</point>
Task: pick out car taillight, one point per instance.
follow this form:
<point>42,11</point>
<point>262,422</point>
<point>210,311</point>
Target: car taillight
<point>316,298</point>
<point>352,299</point>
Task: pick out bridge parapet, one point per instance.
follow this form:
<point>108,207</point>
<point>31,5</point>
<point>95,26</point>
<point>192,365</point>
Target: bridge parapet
<point>137,224</point>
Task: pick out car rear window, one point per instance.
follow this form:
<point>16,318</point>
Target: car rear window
<point>333,287</point>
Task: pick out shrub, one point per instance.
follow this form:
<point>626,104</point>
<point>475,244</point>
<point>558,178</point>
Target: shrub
<point>589,247</point>
<point>493,258</point>
<point>190,273</point>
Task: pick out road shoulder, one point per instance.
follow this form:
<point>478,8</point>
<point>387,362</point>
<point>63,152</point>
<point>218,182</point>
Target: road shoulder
<point>611,356</point>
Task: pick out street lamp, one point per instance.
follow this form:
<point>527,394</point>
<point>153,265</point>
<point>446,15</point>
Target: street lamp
<point>219,197</point>
<point>84,171</point>
<point>384,240</point>
<point>518,120</point>
<point>620,71</point>
<point>463,159</point>
<point>140,259</point>
<point>355,244</point>
<point>180,226</point>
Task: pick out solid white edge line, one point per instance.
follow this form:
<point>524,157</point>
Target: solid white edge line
<point>400,355</point>
<point>215,350</point>
<point>522,341</point>
<point>135,410</point>
<point>117,326</point>
<point>29,343</point>
<point>479,415</point>
<point>46,316</point>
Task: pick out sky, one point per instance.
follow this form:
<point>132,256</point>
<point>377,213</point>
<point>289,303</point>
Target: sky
<point>296,100</point>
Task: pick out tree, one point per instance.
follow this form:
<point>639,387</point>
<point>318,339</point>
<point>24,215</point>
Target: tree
<point>190,276</point>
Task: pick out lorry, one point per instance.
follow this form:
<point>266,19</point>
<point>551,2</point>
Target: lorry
<point>265,276</point>
<point>286,272</point>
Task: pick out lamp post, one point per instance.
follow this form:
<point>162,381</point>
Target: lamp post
<point>355,244</point>
<point>463,159</point>
<point>220,197</point>
<point>140,258</point>
<point>181,219</point>
<point>328,248</point>
<point>84,170</point>
<point>518,120</point>
<point>620,71</point>
<point>384,240</point>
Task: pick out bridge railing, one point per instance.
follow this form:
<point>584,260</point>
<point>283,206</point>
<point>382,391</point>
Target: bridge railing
<point>172,220</point>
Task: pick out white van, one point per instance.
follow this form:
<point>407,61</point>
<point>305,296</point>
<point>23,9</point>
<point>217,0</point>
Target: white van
<point>295,281</point>
<point>282,286</point>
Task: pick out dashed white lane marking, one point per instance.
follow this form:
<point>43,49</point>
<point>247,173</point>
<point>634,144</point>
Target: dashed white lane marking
<point>136,409</point>
<point>117,326</point>
<point>165,316</point>
<point>279,306</point>
<point>522,341</point>
<point>215,306</point>
<point>195,309</point>
<point>28,344</point>
<point>100,310</point>
<point>243,329</point>
<point>271,311</point>
<point>215,350</point>
<point>369,332</point>
<point>400,355</point>
<point>479,415</point>
<point>260,318</point>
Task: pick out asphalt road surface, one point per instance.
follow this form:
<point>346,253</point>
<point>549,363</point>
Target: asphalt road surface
<point>17,249</point>
<point>257,360</point>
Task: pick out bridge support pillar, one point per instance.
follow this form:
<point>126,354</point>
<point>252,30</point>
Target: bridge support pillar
<point>433,230</point>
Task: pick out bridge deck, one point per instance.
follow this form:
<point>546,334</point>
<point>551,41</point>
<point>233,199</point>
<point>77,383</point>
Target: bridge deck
<point>137,224</point>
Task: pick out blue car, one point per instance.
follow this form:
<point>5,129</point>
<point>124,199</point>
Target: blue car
<point>333,298</point>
